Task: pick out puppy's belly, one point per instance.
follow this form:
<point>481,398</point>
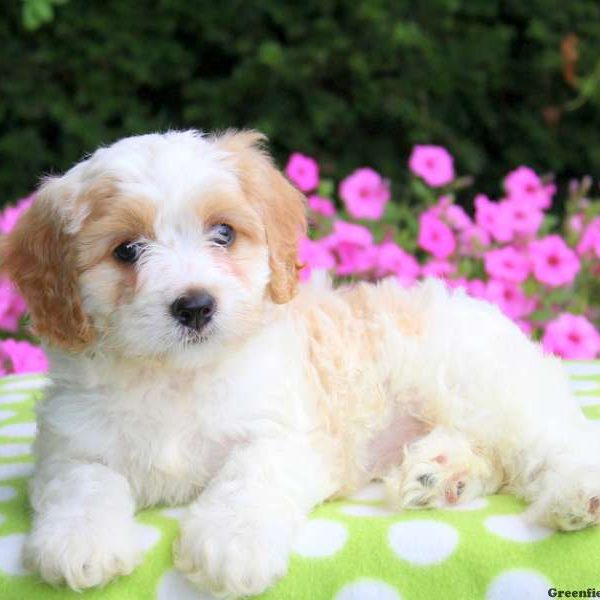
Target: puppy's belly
<point>387,447</point>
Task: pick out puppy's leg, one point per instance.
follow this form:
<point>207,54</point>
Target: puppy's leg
<point>83,527</point>
<point>439,469</point>
<point>561,479</point>
<point>237,537</point>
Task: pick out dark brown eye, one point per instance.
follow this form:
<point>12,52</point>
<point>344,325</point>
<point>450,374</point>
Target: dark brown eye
<point>222,235</point>
<point>128,252</point>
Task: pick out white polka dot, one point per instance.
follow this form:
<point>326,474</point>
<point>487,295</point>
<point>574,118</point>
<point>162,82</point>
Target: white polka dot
<point>523,584</point>
<point>586,400</point>
<point>13,398</point>
<point>7,493</point>
<point>517,529</point>
<point>319,538</point>
<point>174,513</point>
<point>32,383</point>
<point>19,429</point>
<point>584,385</point>
<point>365,510</point>
<point>367,589</point>
<point>423,542</point>
<point>16,470</point>
<point>7,414</point>
<point>147,535</point>
<point>583,368</point>
<point>372,491</point>
<point>11,547</point>
<point>174,586</point>
<point>9,450</point>
<point>476,504</point>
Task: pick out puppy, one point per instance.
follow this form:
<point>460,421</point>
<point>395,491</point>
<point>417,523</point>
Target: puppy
<point>187,368</point>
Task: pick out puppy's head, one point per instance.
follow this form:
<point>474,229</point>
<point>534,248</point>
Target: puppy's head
<point>159,244</point>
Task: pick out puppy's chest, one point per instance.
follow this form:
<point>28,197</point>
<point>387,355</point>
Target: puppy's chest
<point>164,440</point>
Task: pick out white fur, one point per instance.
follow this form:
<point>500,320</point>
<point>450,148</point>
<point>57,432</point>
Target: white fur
<point>281,407</point>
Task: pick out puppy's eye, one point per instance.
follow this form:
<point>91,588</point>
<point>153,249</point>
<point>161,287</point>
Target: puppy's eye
<point>222,235</point>
<point>128,252</point>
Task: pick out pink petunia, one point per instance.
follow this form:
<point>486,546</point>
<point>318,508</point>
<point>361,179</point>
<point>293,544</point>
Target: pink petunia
<point>525,326</point>
<point>572,336</point>
<point>477,288</point>
<point>314,255</point>
<point>473,240</point>
<point>510,298</point>
<point>440,269</point>
<point>434,164</point>
<point>353,247</point>
<point>392,259</point>
<point>590,240</point>
<point>365,194</point>
<point>435,236</point>
<point>507,264</point>
<point>303,171</point>
<point>321,206</point>
<point>522,218</point>
<point>524,185</point>
<point>491,218</point>
<point>22,357</point>
<point>458,218</point>
<point>11,214</point>
<point>554,263</point>
<point>12,306</point>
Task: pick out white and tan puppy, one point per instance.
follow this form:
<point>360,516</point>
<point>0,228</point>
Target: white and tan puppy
<point>187,368</point>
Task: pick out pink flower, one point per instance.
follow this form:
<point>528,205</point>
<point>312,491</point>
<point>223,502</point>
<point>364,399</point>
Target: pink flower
<point>458,218</point>
<point>576,223</point>
<point>353,246</point>
<point>12,306</point>
<point>572,336</point>
<point>459,282</point>
<point>11,214</point>
<point>509,298</point>
<point>523,184</point>
<point>435,236</point>
<point>490,217</point>
<point>321,206</point>
<point>314,255</point>
<point>440,269</point>
<point>391,259</point>
<point>477,288</point>
<point>303,171</point>
<point>365,194</point>
<point>522,218</point>
<point>507,264</point>
<point>524,326</point>
<point>590,240</point>
<point>474,239</point>
<point>434,164</point>
<point>22,357</point>
<point>554,263</point>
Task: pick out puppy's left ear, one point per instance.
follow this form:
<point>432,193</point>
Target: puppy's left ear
<point>281,206</point>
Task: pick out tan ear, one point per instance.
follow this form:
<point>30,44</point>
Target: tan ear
<point>281,206</point>
<point>39,257</point>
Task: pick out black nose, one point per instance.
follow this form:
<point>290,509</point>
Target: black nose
<point>194,310</point>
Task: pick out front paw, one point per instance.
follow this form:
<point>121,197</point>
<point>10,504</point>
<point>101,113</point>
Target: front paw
<point>80,553</point>
<point>233,554</point>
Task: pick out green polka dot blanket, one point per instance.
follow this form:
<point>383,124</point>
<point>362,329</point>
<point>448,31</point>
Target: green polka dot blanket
<point>354,549</point>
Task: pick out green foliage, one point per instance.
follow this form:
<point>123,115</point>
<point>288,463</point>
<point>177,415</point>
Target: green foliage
<point>37,12</point>
<point>354,83</point>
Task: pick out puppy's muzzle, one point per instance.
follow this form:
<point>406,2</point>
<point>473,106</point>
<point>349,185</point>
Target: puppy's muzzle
<point>194,310</point>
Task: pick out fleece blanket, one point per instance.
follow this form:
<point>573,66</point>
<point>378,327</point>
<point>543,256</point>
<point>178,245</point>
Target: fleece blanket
<point>354,549</point>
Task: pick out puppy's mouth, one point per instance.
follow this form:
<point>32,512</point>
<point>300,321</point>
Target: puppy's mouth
<point>194,337</point>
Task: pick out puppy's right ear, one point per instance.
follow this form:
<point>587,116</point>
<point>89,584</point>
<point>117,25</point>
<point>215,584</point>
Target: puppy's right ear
<point>39,256</point>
